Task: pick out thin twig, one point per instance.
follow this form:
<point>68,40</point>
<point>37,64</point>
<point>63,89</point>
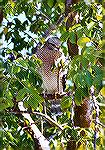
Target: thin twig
<point>99,123</point>
<point>72,111</point>
<point>51,121</point>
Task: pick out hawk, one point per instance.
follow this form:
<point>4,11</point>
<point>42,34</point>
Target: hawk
<point>51,77</point>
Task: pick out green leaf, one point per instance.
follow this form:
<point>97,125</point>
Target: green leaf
<point>97,70</point>
<point>64,50</point>
<point>99,141</point>
<point>80,32</point>
<point>32,103</point>
<point>21,94</point>
<point>80,93</point>
<point>82,41</point>
<point>32,79</point>
<point>9,136</point>
<point>61,6</point>
<point>84,62</point>
<point>78,97</point>
<point>72,37</point>
<point>16,35</point>
<point>86,31</point>
<point>16,69</point>
<point>74,134</point>
<point>64,36</point>
<point>97,80</point>
<point>23,74</point>
<point>22,62</point>
<point>75,63</point>
<point>1,88</point>
<point>40,107</point>
<point>8,36</point>
<point>59,146</point>
<point>79,80</point>
<point>91,57</point>
<point>8,95</point>
<point>91,25</point>
<point>3,104</point>
<point>88,79</point>
<point>50,3</point>
<point>18,22</point>
<point>66,102</point>
<point>35,77</point>
<point>35,94</point>
<point>34,99</point>
<point>71,73</point>
<point>88,50</point>
<point>35,72</point>
<point>84,91</point>
<point>9,99</point>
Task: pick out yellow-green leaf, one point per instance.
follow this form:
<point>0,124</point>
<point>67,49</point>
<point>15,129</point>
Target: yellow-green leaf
<point>5,30</point>
<point>99,17</point>
<point>103,91</point>
<point>90,25</point>
<point>82,41</point>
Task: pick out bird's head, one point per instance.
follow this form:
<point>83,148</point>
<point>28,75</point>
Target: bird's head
<point>54,43</point>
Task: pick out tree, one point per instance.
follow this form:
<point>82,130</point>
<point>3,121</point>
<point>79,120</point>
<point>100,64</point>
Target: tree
<point>25,26</point>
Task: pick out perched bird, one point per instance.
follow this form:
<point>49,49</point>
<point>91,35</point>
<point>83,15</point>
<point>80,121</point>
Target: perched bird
<point>49,53</point>
<point>51,76</point>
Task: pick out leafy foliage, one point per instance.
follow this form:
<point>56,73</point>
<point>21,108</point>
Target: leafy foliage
<point>24,25</point>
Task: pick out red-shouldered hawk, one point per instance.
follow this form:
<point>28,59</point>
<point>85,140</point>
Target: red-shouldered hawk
<point>49,53</point>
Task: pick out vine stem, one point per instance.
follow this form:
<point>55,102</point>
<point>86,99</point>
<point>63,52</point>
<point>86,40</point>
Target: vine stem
<point>44,109</point>
<point>72,111</point>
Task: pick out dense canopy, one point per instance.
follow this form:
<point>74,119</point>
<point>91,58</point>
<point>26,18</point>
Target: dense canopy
<point>26,118</point>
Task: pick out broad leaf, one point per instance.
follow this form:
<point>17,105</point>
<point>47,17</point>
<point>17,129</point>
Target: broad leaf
<point>66,102</point>
<point>80,93</point>
<point>21,94</point>
<point>88,79</point>
<point>72,37</point>
<point>82,41</point>
<point>65,36</point>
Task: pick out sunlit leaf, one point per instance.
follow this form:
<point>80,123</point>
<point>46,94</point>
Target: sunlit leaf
<point>40,107</point>
<point>59,146</point>
<point>103,91</point>
<point>82,41</point>
<point>90,25</point>
<point>22,62</point>
<point>5,30</point>
<point>99,17</point>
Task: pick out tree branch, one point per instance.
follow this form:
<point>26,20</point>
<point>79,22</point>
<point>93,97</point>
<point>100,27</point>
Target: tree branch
<point>42,140</point>
<point>51,121</point>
